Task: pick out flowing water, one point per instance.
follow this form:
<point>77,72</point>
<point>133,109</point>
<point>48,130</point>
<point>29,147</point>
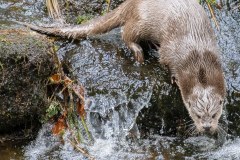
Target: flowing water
<point>133,111</point>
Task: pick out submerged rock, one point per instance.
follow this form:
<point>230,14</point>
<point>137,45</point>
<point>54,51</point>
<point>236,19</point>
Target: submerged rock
<point>25,65</point>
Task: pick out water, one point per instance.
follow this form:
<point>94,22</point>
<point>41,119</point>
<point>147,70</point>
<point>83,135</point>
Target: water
<point>133,112</point>
<point>12,148</point>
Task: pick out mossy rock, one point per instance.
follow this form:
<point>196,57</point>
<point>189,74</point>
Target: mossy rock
<point>75,10</point>
<point>25,64</point>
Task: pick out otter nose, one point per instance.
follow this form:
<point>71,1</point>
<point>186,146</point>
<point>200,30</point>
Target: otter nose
<point>207,128</point>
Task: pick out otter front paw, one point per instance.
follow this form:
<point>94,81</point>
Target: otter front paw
<point>138,52</point>
<point>139,57</point>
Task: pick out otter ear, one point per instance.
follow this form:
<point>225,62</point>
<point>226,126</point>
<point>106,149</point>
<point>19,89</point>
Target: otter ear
<point>202,78</point>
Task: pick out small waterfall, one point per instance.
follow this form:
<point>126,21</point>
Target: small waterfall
<point>115,94</point>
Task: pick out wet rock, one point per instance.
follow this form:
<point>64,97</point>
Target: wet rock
<point>73,9</point>
<point>25,65</point>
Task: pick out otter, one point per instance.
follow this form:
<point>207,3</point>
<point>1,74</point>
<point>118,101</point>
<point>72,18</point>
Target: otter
<point>187,45</point>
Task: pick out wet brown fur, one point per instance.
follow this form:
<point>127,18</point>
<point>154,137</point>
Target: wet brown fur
<point>205,70</point>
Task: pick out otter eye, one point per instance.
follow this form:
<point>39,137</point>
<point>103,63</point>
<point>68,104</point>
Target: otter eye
<point>198,116</point>
<point>214,115</point>
<point>220,102</point>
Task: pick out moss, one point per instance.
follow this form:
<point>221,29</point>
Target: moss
<point>212,2</point>
<point>84,18</point>
<point>1,66</point>
<point>2,37</point>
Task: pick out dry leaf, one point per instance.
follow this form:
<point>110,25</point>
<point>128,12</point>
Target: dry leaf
<point>80,108</point>
<point>59,126</point>
<point>55,79</point>
<point>67,81</point>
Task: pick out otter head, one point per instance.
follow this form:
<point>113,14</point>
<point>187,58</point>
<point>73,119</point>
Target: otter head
<point>201,82</point>
<point>205,108</point>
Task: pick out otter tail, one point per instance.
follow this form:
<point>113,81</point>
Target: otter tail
<point>99,25</point>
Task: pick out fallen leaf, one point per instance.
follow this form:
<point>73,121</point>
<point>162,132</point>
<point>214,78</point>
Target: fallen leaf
<point>80,108</point>
<point>59,126</point>
<point>67,81</point>
<point>55,79</point>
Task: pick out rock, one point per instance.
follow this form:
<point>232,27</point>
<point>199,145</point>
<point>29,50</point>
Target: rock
<point>25,65</point>
<point>73,9</point>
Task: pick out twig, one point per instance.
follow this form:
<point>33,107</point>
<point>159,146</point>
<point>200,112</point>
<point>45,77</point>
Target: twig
<point>213,16</point>
<point>81,150</point>
<point>85,127</point>
<point>109,3</point>
<point>53,9</point>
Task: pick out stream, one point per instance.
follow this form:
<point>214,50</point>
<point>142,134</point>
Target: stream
<point>133,111</point>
